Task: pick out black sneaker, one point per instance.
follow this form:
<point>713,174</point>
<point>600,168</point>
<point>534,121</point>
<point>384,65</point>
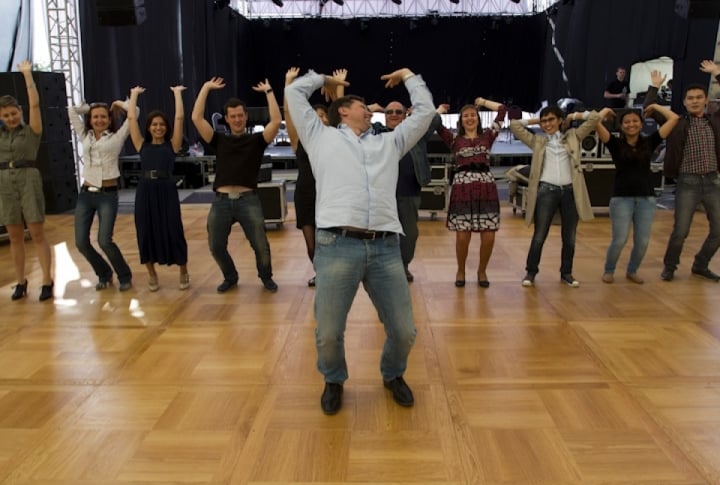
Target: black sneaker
<point>269,284</point>
<point>667,274</point>
<point>568,279</point>
<point>311,282</point>
<point>400,391</point>
<point>331,399</point>
<point>705,273</point>
<point>226,285</point>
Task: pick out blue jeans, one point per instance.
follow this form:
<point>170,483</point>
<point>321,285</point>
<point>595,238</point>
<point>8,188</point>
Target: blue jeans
<point>341,264</point>
<point>248,212</point>
<point>408,208</point>
<point>625,211</point>
<point>689,192</point>
<point>550,198</point>
<point>105,204</point>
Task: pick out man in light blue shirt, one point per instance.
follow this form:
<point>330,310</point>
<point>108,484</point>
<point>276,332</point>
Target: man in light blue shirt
<point>357,239</point>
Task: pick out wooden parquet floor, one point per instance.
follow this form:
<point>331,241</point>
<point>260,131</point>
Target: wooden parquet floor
<point>604,384</point>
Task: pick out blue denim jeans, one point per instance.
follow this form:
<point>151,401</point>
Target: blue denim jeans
<point>550,198</point>
<point>248,212</point>
<point>105,204</point>
<point>624,212</point>
<point>689,192</point>
<point>341,264</point>
<point>408,208</point>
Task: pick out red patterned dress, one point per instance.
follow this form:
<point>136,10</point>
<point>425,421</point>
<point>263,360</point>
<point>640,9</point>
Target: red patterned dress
<point>474,203</point>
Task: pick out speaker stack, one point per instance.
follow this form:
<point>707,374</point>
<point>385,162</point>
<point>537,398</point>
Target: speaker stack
<point>55,158</point>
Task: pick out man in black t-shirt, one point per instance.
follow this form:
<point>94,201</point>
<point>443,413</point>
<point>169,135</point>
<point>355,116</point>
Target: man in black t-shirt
<point>237,164</point>
<point>617,91</point>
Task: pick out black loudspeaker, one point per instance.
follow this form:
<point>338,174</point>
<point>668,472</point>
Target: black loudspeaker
<point>50,87</point>
<point>704,9</point>
<point>120,12</point>
<point>56,162</point>
<point>589,146</point>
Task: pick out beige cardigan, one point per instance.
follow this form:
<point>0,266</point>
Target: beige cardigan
<point>571,139</point>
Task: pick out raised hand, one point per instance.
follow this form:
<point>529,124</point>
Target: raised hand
<point>606,113</point>
<point>375,108</point>
<point>214,83</point>
<point>137,90</point>
<point>177,89</point>
<point>291,74</point>
<point>396,77</point>
<point>262,86</point>
<point>340,74</point>
<point>25,66</point>
<point>657,78</point>
<point>650,109</point>
<point>709,67</point>
<point>443,108</point>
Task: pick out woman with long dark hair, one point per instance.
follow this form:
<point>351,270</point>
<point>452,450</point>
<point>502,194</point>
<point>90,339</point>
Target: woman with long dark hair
<point>474,204</point>
<point>633,199</point>
<point>158,221</point>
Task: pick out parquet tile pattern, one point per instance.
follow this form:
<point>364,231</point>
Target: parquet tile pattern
<point>605,384</point>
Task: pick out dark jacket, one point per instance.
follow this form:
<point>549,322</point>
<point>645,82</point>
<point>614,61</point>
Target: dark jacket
<point>678,136</point>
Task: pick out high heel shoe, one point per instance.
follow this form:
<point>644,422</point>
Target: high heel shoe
<point>46,291</point>
<point>20,291</point>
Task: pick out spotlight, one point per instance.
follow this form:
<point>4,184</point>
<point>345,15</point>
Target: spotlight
<point>397,2</point>
<point>455,1</point>
<point>279,3</point>
<point>515,1</point>
<point>340,2</point>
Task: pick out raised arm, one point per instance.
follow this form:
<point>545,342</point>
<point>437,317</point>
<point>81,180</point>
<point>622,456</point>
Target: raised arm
<point>273,126</point>
<point>290,76</point>
<point>671,118</point>
<point>591,121</point>
<point>136,135</point>
<point>656,80</point>
<point>35,121</point>
<point>177,134</point>
<point>202,125</point>
<point>603,133</point>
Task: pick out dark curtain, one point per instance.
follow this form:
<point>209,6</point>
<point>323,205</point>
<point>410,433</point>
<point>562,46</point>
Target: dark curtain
<point>460,58</point>
<point>181,42</point>
<point>595,37</point>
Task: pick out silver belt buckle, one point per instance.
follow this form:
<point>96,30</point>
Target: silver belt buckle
<point>153,174</point>
<point>11,164</point>
<point>234,195</point>
<point>93,189</point>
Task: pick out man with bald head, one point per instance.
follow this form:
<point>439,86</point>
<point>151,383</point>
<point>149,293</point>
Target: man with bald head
<point>414,173</point>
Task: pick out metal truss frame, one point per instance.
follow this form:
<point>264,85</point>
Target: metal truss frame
<point>66,57</point>
<point>386,8</point>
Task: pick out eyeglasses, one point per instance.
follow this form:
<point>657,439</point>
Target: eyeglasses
<point>548,120</point>
<point>394,112</point>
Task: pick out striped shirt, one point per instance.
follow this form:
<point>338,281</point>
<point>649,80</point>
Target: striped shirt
<point>699,155</point>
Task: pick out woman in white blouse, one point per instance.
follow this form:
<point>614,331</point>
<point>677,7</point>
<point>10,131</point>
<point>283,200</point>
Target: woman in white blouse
<point>102,144</point>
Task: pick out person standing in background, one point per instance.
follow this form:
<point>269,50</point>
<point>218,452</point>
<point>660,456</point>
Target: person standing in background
<point>616,93</point>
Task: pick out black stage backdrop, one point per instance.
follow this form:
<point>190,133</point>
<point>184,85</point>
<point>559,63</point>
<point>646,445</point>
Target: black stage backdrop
<point>511,60</point>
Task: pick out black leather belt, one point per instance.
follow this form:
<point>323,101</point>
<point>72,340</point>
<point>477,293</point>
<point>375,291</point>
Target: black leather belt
<point>155,174</point>
<point>359,234</point>
<point>473,167</point>
<point>17,164</point>
<point>233,195</point>
<point>88,188</point>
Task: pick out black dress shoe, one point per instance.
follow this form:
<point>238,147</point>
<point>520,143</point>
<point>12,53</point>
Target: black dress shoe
<point>667,274</point>
<point>311,282</point>
<point>459,283</point>
<point>269,284</point>
<point>20,291</point>
<point>705,273</point>
<point>226,285</point>
<point>46,291</point>
<point>331,399</point>
<point>400,391</point>
<point>483,283</point>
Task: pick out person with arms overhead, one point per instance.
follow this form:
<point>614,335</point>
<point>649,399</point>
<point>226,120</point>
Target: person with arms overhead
<point>556,183</point>
<point>691,157</point>
<point>474,203</point>
<point>633,199</point>
<point>158,221</point>
<point>357,238</point>
<point>237,165</point>
<point>21,194</point>
<point>102,142</point>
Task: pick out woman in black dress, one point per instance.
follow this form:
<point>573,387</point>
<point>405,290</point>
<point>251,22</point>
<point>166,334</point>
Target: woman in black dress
<point>158,222</point>
<point>305,185</point>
